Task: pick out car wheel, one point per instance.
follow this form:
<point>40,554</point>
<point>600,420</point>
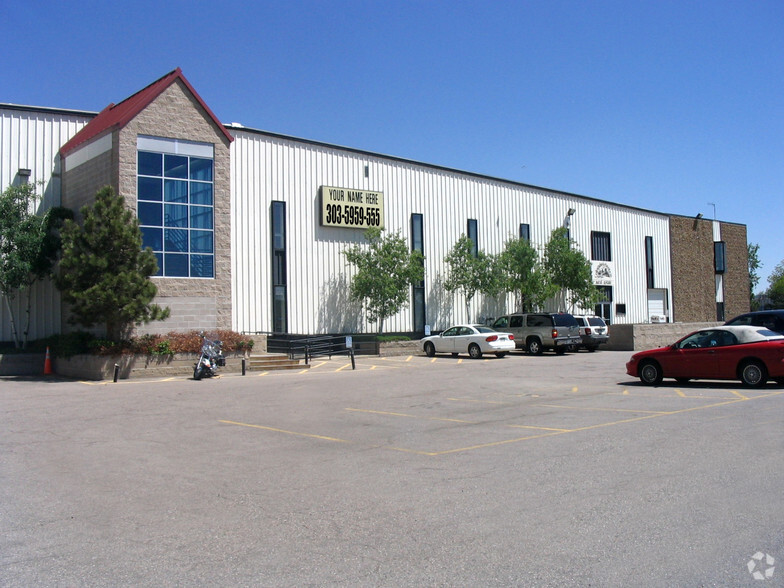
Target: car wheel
<point>780,381</point>
<point>560,350</point>
<point>591,348</point>
<point>651,373</point>
<point>534,346</point>
<point>430,349</point>
<point>501,354</point>
<point>474,351</point>
<point>753,374</point>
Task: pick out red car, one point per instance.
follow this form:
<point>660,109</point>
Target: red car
<point>749,354</point>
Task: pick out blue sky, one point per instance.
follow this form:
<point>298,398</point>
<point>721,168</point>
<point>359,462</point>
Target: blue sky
<point>665,105</point>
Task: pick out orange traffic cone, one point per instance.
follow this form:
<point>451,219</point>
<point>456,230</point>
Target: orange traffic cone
<point>48,364</point>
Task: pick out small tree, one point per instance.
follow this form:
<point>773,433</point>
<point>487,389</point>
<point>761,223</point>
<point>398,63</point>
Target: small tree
<point>29,245</point>
<point>525,275</point>
<point>471,273</point>
<point>385,272</point>
<point>776,293</point>
<point>754,265</point>
<point>570,271</point>
<point>104,272</point>
<point>776,290</point>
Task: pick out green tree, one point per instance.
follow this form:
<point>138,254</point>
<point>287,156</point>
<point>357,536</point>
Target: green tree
<point>776,293</point>
<point>386,269</point>
<point>525,275</point>
<point>469,273</point>
<point>776,290</point>
<point>29,246</point>
<point>105,273</point>
<point>570,271</point>
<point>754,265</point>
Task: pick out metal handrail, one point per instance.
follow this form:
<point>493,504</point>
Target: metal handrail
<point>320,347</point>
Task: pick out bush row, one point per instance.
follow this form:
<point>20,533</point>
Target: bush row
<point>70,344</point>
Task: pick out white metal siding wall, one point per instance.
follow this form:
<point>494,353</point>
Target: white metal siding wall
<point>267,168</point>
<point>31,139</point>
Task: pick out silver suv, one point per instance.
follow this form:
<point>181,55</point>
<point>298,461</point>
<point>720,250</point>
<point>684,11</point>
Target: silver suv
<point>593,330</point>
<point>538,331</point>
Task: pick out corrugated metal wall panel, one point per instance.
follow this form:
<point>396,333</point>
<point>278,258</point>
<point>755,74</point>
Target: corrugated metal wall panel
<point>268,168</point>
<point>31,139</point>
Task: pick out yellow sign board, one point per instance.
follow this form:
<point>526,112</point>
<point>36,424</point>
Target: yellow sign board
<point>350,208</point>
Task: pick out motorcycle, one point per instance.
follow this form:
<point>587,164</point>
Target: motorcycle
<point>210,360</point>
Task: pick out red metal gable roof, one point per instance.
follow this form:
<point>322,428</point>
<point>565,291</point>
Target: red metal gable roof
<point>116,116</point>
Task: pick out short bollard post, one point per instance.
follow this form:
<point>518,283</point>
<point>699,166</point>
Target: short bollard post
<point>116,371</point>
<point>353,365</point>
<point>243,366</point>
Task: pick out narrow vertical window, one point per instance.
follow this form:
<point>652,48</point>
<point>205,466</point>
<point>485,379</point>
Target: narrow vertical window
<point>473,234</point>
<point>279,294</point>
<point>720,257</point>
<point>418,244</point>
<point>600,246</point>
<point>649,262</point>
<point>525,232</point>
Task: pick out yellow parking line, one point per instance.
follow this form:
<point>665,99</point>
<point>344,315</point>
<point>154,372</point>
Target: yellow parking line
<point>540,428</point>
<point>411,416</point>
<point>604,409</point>
<point>312,436</point>
<point>680,393</point>
<point>739,395</point>
<point>475,400</point>
<point>549,432</point>
<point>492,444</point>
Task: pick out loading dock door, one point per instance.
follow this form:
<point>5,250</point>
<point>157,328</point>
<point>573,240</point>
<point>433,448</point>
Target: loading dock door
<point>657,306</point>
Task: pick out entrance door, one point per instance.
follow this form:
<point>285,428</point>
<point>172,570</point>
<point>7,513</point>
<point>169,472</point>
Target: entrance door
<point>603,308</point>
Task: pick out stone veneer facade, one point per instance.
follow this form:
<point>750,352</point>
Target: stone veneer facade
<point>174,114</point>
<point>737,288</point>
<point>693,274</point>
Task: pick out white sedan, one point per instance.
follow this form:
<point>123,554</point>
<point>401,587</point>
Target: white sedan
<point>472,339</point>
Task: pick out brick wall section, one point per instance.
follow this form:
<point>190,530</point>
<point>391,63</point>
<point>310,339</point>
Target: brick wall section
<point>693,273</point>
<point>176,114</point>
<point>693,276</point>
<point>736,278</point>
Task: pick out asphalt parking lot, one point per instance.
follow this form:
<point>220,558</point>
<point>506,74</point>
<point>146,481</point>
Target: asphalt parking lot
<point>408,471</point>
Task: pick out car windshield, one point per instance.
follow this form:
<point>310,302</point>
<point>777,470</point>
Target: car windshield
<point>713,338</point>
<point>564,320</point>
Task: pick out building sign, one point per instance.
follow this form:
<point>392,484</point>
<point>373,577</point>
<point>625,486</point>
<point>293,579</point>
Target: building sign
<point>602,273</point>
<point>354,209</point>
